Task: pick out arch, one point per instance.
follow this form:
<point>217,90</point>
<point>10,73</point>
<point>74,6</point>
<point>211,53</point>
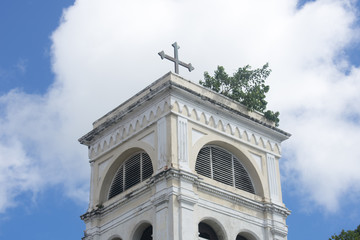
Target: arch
<point>263,143</point>
<point>105,145</point>
<point>185,111</point>
<point>112,141</point>
<point>247,235</point>
<point>116,163</point>
<point>151,116</point>
<point>247,136</point>
<point>202,118</point>
<point>211,122</point>
<point>123,133</point>
<point>158,111</point>
<point>176,107</point>
<point>143,231</point>
<point>194,114</point>
<point>166,106</point>
<point>220,126</point>
<point>239,237</point>
<point>229,129</point>
<point>115,237</point>
<point>237,150</point>
<point>211,229</point>
<point>130,129</point>
<point>143,121</point>
<point>137,125</point>
<point>237,132</point>
<point>206,232</point>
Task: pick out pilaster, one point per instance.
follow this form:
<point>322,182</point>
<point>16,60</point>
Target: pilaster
<point>162,225</point>
<point>187,200</point>
<point>162,143</point>
<point>182,140</point>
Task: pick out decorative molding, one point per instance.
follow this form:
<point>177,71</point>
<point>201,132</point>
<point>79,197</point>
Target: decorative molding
<point>276,209</point>
<point>160,200</point>
<point>229,196</point>
<point>126,198</point>
<point>272,177</point>
<point>189,201</point>
<point>118,134</point>
<point>276,231</point>
<point>182,140</point>
<point>225,124</point>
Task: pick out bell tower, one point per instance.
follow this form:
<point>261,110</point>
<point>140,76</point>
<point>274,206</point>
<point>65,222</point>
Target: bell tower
<point>178,161</point>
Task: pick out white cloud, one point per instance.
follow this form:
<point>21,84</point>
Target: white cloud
<point>16,174</point>
<point>21,65</point>
<point>104,51</point>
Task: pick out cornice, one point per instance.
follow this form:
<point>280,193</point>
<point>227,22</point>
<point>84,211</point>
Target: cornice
<point>274,208</point>
<point>168,83</point>
<point>118,114</point>
<point>102,211</point>
<point>116,135</point>
<point>221,105</point>
<point>279,231</point>
<point>171,173</point>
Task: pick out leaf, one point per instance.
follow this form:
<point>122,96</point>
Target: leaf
<point>246,86</point>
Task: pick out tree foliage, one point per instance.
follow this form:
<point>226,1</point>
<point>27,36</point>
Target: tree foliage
<point>348,235</point>
<point>246,86</point>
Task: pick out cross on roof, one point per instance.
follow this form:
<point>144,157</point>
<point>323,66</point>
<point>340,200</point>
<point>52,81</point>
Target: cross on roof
<point>175,59</point>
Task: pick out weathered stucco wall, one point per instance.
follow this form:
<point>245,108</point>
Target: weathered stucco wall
<point>171,120</point>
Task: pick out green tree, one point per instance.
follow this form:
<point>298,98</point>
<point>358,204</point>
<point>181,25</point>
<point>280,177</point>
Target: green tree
<point>348,235</point>
<point>246,86</point>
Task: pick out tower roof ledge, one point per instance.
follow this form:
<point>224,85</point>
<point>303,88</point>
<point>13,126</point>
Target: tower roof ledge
<point>174,82</point>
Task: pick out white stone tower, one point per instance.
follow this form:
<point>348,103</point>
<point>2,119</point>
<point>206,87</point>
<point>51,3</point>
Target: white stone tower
<point>180,162</point>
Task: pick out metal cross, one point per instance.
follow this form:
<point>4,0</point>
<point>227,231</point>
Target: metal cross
<point>175,59</point>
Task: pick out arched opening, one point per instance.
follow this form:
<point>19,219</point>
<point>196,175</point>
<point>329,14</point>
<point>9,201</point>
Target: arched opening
<point>207,232</point>
<point>223,166</point>
<point>147,233</point>
<point>143,232</point>
<point>246,236</point>
<point>241,238</point>
<point>134,170</point>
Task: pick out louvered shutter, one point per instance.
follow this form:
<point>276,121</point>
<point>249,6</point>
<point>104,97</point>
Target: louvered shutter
<point>242,179</point>
<point>203,163</point>
<point>117,185</point>
<point>133,171</point>
<point>147,169</point>
<point>222,166</point>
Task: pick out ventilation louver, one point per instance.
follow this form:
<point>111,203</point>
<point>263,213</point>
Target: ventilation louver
<point>222,166</point>
<point>133,171</point>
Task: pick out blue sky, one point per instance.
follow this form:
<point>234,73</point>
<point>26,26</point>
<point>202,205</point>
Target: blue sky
<point>65,64</point>
<point>26,27</point>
